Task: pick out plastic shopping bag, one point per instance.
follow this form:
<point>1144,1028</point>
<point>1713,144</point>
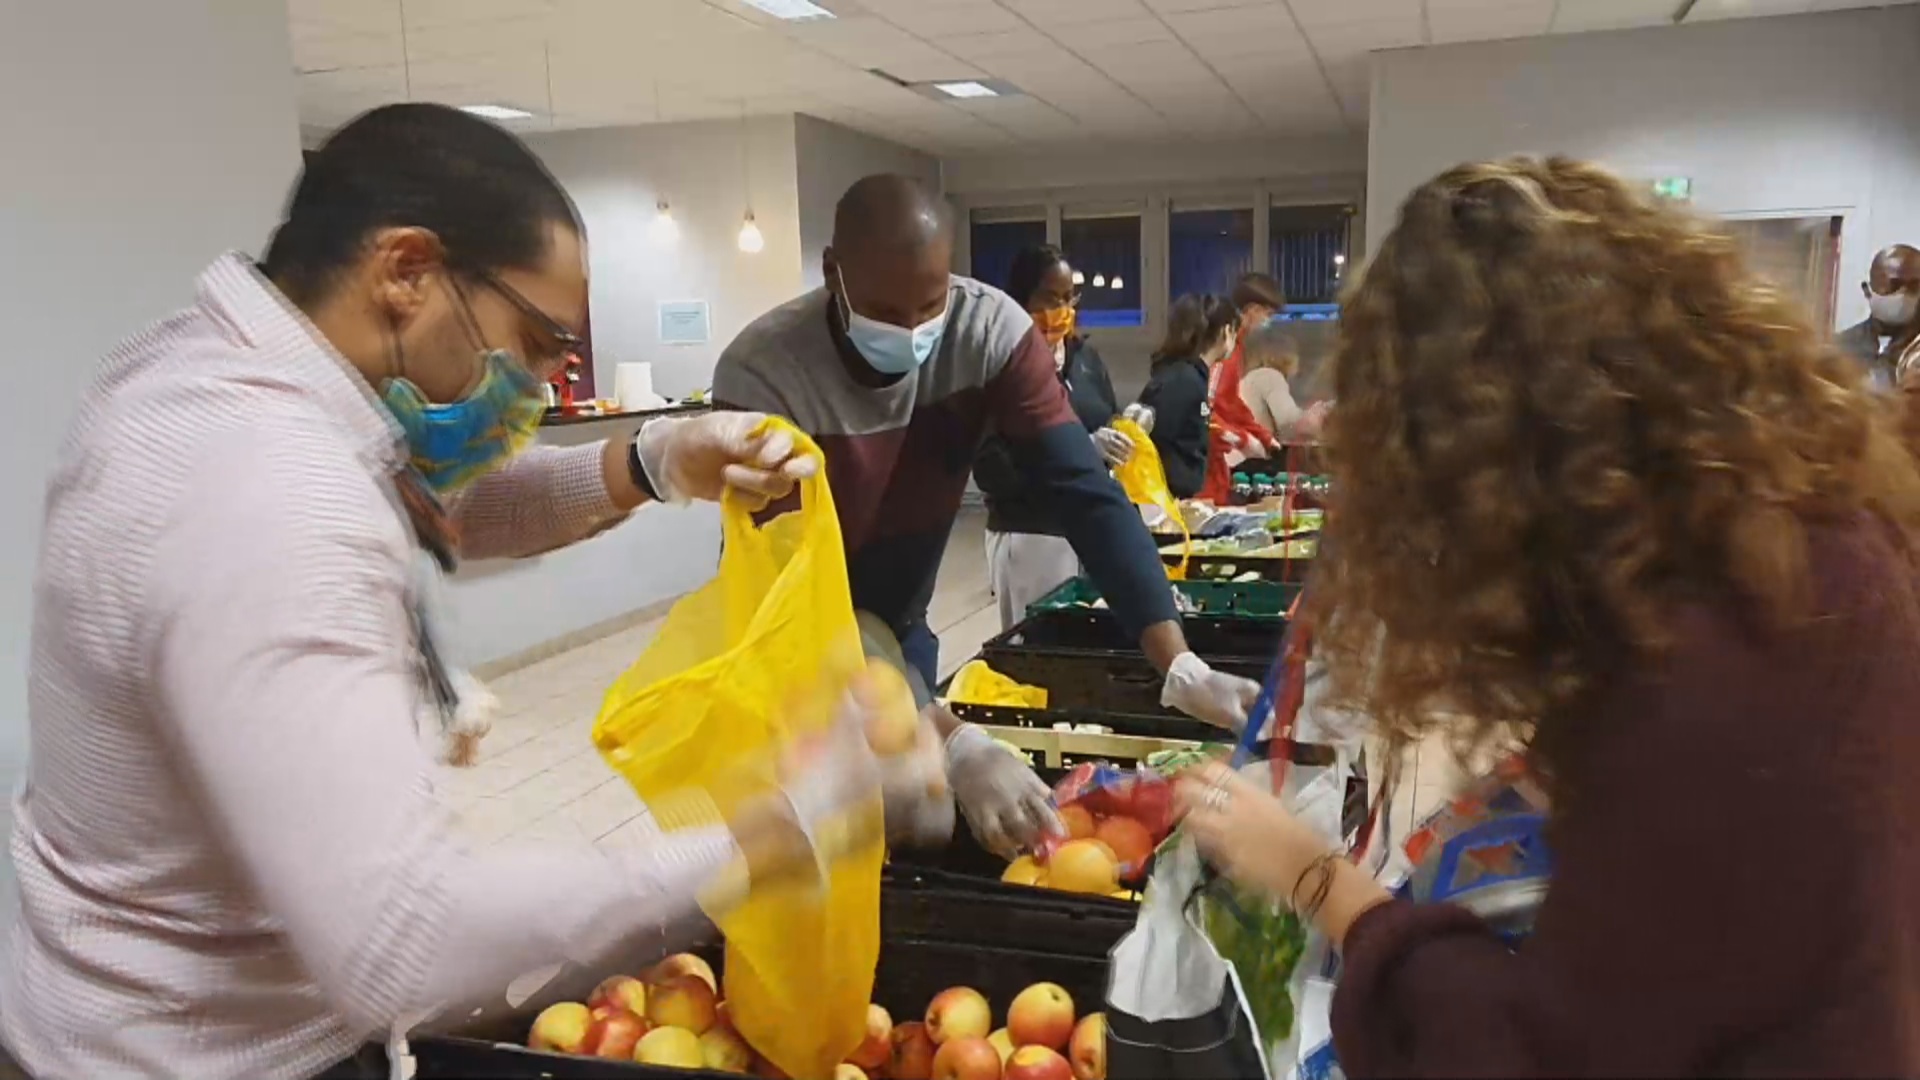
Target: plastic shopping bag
<point>739,669</point>
<point>1175,1006</point>
<point>977,684</point>
<point>1144,479</point>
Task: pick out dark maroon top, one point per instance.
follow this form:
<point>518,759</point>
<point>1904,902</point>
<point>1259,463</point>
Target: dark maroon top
<point>1736,887</point>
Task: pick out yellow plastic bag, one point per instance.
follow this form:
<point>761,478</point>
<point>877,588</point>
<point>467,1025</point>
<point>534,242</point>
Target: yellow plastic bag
<point>739,668</point>
<point>977,684</point>
<point>1144,479</point>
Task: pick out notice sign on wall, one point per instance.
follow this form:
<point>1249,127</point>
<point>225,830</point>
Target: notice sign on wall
<point>684,322</point>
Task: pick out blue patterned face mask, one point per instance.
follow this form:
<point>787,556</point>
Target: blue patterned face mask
<point>455,444</point>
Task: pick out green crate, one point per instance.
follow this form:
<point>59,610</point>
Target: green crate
<point>1239,599</point>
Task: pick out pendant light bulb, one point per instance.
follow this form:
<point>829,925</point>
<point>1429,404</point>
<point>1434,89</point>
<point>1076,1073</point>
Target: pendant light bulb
<point>1116,283</point>
<point>665,229</point>
<point>1079,278</point>
<point>751,241</point>
<point>1099,281</point>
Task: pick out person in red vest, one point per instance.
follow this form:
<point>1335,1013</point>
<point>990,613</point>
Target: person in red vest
<point>1257,297</point>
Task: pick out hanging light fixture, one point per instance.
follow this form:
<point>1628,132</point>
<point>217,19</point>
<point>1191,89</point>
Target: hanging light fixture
<point>1079,278</point>
<point>751,241</point>
<point>1099,281</point>
<point>1116,283</point>
<point>665,229</point>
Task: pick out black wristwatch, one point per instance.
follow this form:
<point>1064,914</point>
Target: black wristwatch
<point>638,472</point>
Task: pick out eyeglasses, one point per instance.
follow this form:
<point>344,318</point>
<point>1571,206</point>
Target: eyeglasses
<point>563,342</point>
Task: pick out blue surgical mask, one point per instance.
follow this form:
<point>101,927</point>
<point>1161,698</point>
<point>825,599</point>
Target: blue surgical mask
<point>892,350</point>
<point>455,444</point>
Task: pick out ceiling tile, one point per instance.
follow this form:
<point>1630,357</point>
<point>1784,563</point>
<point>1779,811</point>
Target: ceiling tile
<point>1104,34</point>
<point>1166,6</point>
<point>344,16</point>
<point>981,48</point>
<point>964,17</point>
<point>1577,16</point>
<point>1486,20</point>
<point>1314,13</point>
<point>1057,12</point>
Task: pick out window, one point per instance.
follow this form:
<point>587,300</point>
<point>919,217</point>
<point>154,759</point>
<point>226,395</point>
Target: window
<point>1208,250</point>
<point>1104,249</point>
<point>998,235</point>
<point>1307,251</point>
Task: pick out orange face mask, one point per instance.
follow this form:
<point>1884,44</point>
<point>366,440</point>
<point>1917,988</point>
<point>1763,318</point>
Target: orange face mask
<point>1055,324</point>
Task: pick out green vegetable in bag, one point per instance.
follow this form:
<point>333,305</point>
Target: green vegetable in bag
<point>1263,942</point>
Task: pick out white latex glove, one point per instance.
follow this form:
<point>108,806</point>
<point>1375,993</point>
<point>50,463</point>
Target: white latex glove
<point>1113,445</point>
<point>698,457</point>
<point>1208,695</point>
<point>1008,807</point>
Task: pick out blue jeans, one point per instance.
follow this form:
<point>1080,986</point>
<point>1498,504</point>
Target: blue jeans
<point>921,648</point>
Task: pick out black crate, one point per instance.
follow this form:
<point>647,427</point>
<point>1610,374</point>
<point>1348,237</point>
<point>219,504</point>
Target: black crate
<point>1085,660</point>
<point>934,936</point>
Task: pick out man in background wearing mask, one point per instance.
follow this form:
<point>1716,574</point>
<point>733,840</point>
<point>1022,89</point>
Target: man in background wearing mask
<point>899,368</point>
<point>1887,339</point>
<point>232,860</point>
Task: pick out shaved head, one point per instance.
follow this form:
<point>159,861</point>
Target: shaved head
<point>1897,263</point>
<point>892,251</point>
<point>888,211</point>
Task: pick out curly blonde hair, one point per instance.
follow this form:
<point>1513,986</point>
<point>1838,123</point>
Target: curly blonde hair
<point>1565,409</point>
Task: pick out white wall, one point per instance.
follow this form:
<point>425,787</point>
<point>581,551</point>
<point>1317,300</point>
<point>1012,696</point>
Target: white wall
<point>133,159</point>
<point>618,175</point>
<point>828,159</point>
<point>1765,115</point>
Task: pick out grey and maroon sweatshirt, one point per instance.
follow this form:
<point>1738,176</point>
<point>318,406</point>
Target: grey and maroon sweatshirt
<point>899,448</point>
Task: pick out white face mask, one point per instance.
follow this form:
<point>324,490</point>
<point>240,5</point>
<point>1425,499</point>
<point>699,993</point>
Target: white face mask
<point>1896,310</point>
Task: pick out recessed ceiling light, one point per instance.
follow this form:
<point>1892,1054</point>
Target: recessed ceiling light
<point>497,112</point>
<point>791,10</point>
<point>967,89</point>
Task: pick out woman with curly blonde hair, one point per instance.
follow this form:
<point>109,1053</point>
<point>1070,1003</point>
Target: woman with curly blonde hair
<point>1605,496</point>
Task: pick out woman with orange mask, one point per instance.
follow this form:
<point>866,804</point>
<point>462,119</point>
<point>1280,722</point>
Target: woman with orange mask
<point>1027,553</point>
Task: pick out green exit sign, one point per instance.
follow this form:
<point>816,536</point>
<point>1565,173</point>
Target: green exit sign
<point>1675,188</point>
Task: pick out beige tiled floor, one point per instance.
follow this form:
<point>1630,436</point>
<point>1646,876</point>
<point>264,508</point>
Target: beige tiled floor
<point>539,775</point>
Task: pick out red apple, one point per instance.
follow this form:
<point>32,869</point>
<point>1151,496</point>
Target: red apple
<point>613,1033</point>
<point>1087,1053</point>
<point>683,1001</point>
<point>621,992</point>
<point>912,1053</point>
<point>877,1047</point>
<point>1041,1016</point>
<point>681,964</point>
<point>1038,1063</point>
<point>561,1027</point>
<point>968,1058</point>
<point>957,1013</point>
